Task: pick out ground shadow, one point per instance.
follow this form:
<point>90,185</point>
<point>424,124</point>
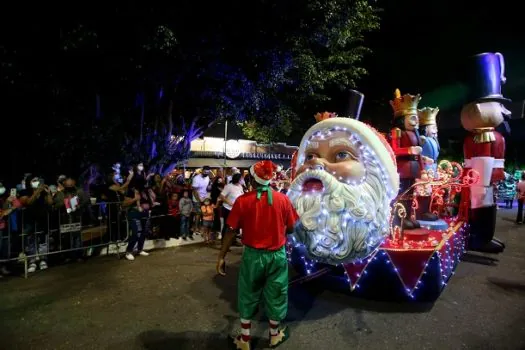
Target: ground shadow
<point>506,285</point>
<point>479,259</point>
<point>314,300</point>
<point>163,340</point>
<point>58,283</point>
<point>508,219</point>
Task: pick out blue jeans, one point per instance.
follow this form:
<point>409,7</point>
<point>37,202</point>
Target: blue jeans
<point>139,223</point>
<point>184,226</point>
<point>34,242</point>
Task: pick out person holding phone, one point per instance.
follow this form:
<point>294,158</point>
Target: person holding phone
<point>7,205</point>
<point>138,205</point>
<point>36,200</point>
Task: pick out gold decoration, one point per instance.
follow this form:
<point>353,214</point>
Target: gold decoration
<point>484,135</point>
<point>404,105</point>
<point>323,116</point>
<point>427,116</point>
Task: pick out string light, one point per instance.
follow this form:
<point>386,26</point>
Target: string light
<point>444,247</point>
<point>444,261</point>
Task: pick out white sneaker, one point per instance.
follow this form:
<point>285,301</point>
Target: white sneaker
<point>43,265</point>
<point>143,253</point>
<point>31,268</point>
<point>130,257</point>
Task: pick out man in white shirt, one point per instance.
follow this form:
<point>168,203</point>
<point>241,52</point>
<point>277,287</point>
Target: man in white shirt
<point>201,185</point>
<point>234,171</point>
<point>229,194</point>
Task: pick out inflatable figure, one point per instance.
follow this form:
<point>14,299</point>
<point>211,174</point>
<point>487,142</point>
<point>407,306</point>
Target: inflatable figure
<point>345,180</point>
<point>406,143</point>
<point>484,147</point>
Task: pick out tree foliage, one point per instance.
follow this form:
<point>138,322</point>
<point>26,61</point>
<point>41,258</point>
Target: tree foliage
<point>143,81</point>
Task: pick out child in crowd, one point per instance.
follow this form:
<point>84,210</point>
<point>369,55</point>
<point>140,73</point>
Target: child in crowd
<point>207,219</point>
<point>185,208</point>
<point>174,212</point>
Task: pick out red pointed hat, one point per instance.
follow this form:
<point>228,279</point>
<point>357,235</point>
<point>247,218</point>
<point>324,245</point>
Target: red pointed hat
<point>263,171</point>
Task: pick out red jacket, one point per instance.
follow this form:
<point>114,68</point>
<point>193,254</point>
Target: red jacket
<point>408,166</point>
<point>495,149</point>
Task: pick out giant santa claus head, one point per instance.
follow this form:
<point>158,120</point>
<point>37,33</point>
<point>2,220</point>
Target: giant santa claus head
<point>346,179</point>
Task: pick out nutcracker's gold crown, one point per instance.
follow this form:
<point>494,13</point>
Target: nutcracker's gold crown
<point>319,117</point>
<point>427,116</point>
<point>404,105</point>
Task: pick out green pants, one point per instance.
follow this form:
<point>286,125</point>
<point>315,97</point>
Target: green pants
<point>263,276</point>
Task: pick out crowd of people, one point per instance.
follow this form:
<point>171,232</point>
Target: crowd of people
<point>45,221</point>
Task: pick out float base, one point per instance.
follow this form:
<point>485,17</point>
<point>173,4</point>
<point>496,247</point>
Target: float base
<point>415,270</point>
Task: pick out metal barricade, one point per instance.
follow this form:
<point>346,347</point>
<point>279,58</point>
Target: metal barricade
<point>34,235</point>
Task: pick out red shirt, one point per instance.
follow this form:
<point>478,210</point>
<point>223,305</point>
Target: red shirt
<point>173,207</point>
<point>263,226</point>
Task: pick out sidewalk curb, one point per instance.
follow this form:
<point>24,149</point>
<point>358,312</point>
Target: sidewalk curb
<point>150,245</point>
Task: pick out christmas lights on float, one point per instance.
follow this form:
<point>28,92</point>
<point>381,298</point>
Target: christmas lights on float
<point>447,254</point>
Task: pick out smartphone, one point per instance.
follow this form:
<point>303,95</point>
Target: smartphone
<point>13,192</point>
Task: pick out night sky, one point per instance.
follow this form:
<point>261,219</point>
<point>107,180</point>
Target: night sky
<point>419,49</point>
<point>421,45</point>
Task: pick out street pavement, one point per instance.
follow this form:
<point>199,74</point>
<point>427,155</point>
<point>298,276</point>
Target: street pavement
<point>173,300</point>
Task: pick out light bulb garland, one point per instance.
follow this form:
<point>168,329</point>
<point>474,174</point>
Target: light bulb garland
<point>437,256</point>
<point>445,248</point>
<point>444,258</point>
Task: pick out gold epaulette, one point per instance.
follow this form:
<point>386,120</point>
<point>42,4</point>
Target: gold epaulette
<point>396,132</point>
<point>484,135</point>
<point>422,139</point>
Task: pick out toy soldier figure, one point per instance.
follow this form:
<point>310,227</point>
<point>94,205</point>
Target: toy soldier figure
<point>484,147</point>
<point>430,145</point>
<point>406,144</point>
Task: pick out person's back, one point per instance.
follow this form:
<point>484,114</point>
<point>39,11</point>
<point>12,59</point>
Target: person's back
<point>520,193</point>
<point>520,188</point>
<point>264,225</point>
<point>265,216</point>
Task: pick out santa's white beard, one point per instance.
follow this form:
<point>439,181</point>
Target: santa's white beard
<point>345,222</point>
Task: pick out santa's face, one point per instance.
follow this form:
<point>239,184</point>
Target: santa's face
<point>336,154</point>
<point>411,122</point>
<point>341,199</point>
<point>431,131</point>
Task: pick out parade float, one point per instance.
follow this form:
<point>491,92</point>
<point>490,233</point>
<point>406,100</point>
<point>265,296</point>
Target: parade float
<point>375,209</point>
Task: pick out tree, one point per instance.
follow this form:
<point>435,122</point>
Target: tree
<point>326,50</point>
<point>142,90</point>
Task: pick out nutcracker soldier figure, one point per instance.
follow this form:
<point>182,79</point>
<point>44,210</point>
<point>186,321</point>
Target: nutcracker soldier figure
<point>484,147</point>
<point>430,145</point>
<point>406,144</point>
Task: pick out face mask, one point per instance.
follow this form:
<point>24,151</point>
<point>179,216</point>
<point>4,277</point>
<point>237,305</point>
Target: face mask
<point>2,190</point>
<point>35,184</point>
<point>140,168</point>
<point>69,189</point>
<point>205,174</point>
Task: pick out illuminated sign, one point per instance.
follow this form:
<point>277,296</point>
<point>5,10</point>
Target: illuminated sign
<point>233,149</point>
<point>242,155</point>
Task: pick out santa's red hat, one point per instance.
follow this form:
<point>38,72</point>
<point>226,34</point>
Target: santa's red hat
<point>263,172</point>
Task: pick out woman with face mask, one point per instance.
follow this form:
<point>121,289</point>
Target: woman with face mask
<point>138,205</point>
<point>36,199</point>
<point>5,210</point>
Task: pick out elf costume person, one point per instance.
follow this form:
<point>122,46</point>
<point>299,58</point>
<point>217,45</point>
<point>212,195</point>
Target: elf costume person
<point>265,217</point>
